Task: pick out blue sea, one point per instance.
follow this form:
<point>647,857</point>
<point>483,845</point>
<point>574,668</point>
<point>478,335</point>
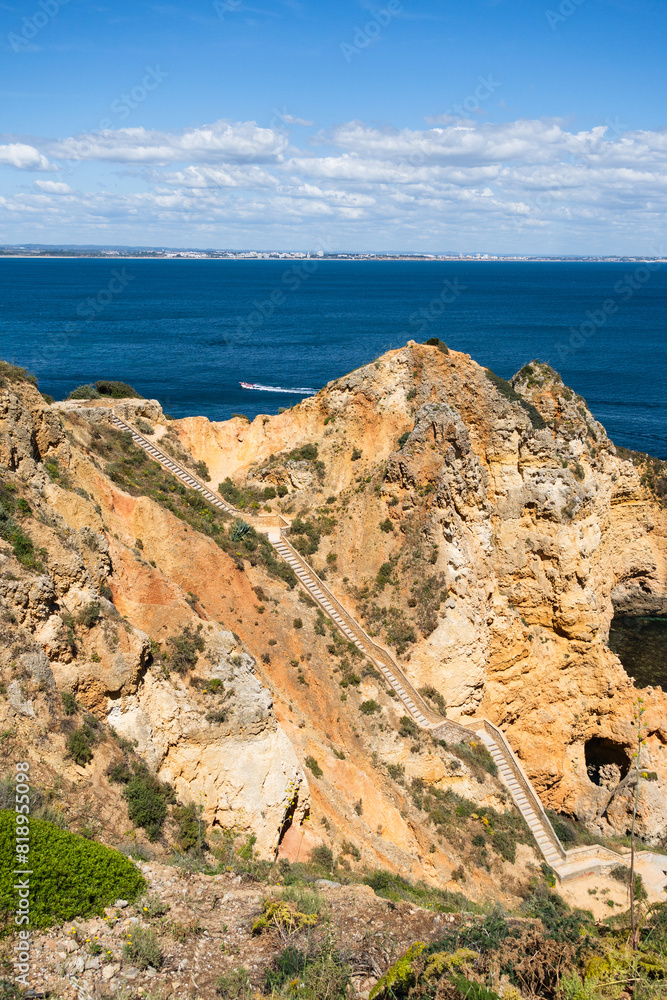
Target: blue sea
<point>188,331</point>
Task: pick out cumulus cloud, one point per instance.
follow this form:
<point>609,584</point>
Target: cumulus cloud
<point>450,181</point>
<point>23,157</point>
<point>234,142</point>
<point>52,187</point>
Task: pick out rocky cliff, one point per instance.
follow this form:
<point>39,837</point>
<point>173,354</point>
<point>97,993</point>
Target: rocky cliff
<point>489,531</point>
<point>485,531</point>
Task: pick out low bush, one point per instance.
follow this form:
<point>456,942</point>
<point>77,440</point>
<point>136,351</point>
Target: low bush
<point>14,510</point>
<point>69,703</point>
<point>369,707</point>
<point>80,745</point>
<point>90,615</point>
<point>185,649</point>
<point>116,390</point>
<point>142,948</point>
<point>147,797</point>
<point>313,766</point>
<point>84,392</point>
<point>71,876</point>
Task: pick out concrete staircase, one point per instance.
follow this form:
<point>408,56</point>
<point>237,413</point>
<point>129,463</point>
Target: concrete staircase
<point>566,864</point>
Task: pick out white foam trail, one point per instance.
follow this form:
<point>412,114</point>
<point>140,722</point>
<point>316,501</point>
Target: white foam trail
<point>276,388</point>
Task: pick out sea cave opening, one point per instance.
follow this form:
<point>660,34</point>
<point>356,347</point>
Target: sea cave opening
<point>607,762</point>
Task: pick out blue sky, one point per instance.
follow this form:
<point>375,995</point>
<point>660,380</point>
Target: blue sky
<point>494,125</point>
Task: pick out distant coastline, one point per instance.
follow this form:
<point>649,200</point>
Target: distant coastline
<point>137,253</point>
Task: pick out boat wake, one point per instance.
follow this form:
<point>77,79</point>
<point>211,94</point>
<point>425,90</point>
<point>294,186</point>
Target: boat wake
<point>303,391</point>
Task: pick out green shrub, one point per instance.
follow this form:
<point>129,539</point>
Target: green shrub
<point>504,843</point>
<point>71,876</point>
<point>432,695</point>
<point>84,392</point>
<point>440,344</point>
<point>80,745</point>
<point>147,797</point>
<point>313,766</point>
<point>298,623</point>
<point>142,949</point>
<point>90,615</point>
<point>184,649</point>
<point>369,707</point>
<point>116,390</point>
<point>408,727</point>
<point>12,510</point>
<point>386,525</point>
<point>191,828</point>
<point>356,454</point>
<point>69,703</point>
<point>146,806</point>
<point>322,856</point>
<point>403,438</point>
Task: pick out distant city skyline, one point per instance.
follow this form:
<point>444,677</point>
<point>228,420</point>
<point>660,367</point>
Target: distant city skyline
<point>403,125</point>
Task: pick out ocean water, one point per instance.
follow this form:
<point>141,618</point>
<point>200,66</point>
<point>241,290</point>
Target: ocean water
<point>641,646</point>
<point>187,331</point>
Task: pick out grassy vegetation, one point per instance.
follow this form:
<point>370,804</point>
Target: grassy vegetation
<point>652,472</point>
<point>132,469</point>
<point>394,887</point>
<point>71,876</point>
<point>105,388</point>
<point>471,828</point>
<point>147,797</point>
<point>507,390</point>
<point>14,513</point>
<point>440,344</point>
<point>13,373</point>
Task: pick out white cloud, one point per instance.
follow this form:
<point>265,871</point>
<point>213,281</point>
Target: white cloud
<point>240,142</point>
<point>23,157</point>
<point>53,187</point>
<point>442,186</point>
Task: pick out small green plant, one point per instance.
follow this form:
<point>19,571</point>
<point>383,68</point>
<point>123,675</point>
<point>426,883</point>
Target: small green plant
<point>369,707</point>
<point>235,985</point>
<point>151,906</point>
<point>408,727</point>
<point>313,766</point>
<point>185,648</point>
<point>69,703</point>
<point>387,525</point>
<point>90,615</point>
<point>356,454</point>
<point>142,948</point>
<point>80,745</point>
<point>298,623</point>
